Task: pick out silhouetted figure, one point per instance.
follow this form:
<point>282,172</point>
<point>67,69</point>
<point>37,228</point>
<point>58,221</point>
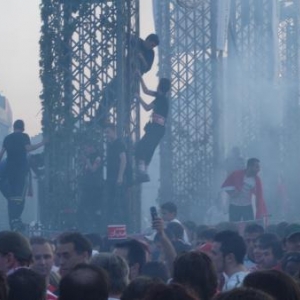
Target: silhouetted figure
<point>16,170</point>
<point>145,54</point>
<point>155,129</point>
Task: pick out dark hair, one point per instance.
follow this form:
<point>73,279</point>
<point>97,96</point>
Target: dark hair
<point>153,38</point>
<point>19,124</point>
<point>254,228</point>
<point>26,284</point>
<point>196,271</point>
<point>275,283</point>
<point>138,288</point>
<point>169,207</point>
<point>84,282</point>
<point>164,85</point>
<point>156,269</point>
<point>81,244</point>
<point>116,268</point>
<point>243,294</point>
<point>271,240</point>
<point>17,244</point>
<point>231,242</point>
<point>176,230</point>
<point>171,292</point>
<point>136,252</point>
<point>252,161</point>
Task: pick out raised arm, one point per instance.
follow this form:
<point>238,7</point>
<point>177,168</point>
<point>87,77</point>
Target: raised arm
<point>145,89</point>
<point>30,148</point>
<point>167,246</point>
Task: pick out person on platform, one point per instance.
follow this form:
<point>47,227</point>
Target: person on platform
<point>117,171</point>
<point>155,129</point>
<point>240,186</point>
<point>16,145</point>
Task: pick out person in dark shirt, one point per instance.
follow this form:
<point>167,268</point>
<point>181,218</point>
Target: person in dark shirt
<point>16,145</point>
<point>91,188</point>
<point>116,179</point>
<point>154,130</point>
<point>145,55</point>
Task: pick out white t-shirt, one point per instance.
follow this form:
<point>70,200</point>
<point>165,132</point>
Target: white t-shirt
<point>234,281</point>
<point>245,195</point>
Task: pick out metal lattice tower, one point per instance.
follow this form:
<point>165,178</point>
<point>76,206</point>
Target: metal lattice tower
<point>289,55</point>
<point>250,71</point>
<point>190,150</point>
<point>85,44</point>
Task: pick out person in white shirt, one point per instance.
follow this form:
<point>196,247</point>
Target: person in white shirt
<point>168,212</point>
<point>228,252</point>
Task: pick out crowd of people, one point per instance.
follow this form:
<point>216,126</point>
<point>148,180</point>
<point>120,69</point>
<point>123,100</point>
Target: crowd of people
<point>180,261</point>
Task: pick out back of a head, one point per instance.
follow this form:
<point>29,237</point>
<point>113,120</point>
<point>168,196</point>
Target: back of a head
<point>231,242</point>
<point>84,282</point>
<point>80,242</point>
<point>243,294</point>
<point>136,252</point>
<point>169,292</point>
<point>196,271</point>
<point>116,268</point>
<point>18,125</point>
<point>275,283</point>
<point>16,243</point>
<point>153,38</point>
<point>26,284</point>
<point>138,288</point>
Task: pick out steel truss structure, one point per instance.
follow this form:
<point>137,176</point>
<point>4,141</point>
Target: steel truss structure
<point>85,46</point>
<point>238,96</point>
<point>190,150</point>
<point>289,76</point>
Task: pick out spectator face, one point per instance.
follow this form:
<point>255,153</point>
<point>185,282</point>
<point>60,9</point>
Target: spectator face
<point>43,258</point>
<point>217,257</point>
<point>268,259</point>
<point>293,243</point>
<point>167,216</point>
<point>258,253</point>
<point>254,169</point>
<point>68,258</point>
<point>250,241</point>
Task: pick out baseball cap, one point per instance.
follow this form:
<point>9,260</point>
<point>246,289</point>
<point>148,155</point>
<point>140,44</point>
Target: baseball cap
<point>15,243</point>
<point>291,230</point>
